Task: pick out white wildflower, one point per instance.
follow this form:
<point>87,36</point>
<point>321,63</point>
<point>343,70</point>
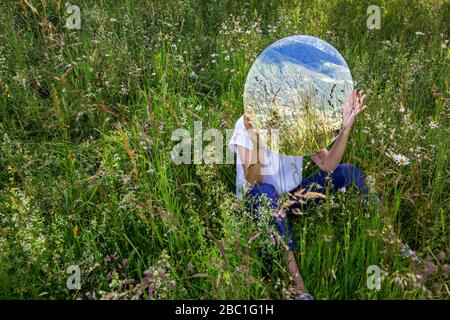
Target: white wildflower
<point>433,125</point>
<point>123,89</point>
<point>401,159</point>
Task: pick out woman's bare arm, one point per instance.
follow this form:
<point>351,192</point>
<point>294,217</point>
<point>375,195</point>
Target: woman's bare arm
<point>252,160</point>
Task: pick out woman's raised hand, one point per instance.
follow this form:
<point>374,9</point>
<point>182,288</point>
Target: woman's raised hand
<point>251,130</point>
<point>353,107</point>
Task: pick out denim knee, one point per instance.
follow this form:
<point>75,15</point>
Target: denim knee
<point>254,202</point>
<point>266,189</point>
<point>351,174</point>
<point>284,227</point>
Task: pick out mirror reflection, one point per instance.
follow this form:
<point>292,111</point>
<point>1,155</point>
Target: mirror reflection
<point>295,92</point>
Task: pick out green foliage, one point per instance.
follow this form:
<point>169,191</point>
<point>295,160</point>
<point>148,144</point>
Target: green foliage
<point>86,177</point>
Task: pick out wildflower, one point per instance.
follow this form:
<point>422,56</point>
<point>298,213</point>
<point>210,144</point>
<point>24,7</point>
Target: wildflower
<point>272,238</point>
<point>406,251</point>
<point>370,182</point>
<point>253,237</point>
<point>315,186</point>
<point>433,125</point>
<point>227,58</point>
<point>402,109</point>
<point>415,67</point>
<point>430,267</point>
<point>279,215</point>
<point>213,61</point>
<point>401,159</point>
<point>420,33</point>
<point>446,269</point>
<point>123,89</point>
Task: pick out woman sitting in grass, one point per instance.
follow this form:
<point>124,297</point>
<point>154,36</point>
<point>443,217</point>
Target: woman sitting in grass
<point>270,174</point>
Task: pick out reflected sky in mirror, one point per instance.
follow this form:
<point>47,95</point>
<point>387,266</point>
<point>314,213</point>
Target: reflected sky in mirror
<point>298,86</point>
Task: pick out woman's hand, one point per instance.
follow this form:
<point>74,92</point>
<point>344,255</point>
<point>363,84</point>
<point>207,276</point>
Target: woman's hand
<point>353,107</point>
<point>253,159</point>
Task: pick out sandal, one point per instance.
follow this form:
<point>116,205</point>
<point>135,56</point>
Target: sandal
<point>304,296</point>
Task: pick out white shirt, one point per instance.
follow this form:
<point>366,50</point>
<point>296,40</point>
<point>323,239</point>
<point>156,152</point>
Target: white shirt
<point>283,172</point>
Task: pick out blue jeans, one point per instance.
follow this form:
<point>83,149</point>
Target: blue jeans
<point>344,176</point>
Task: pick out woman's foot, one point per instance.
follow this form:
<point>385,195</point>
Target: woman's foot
<point>304,296</point>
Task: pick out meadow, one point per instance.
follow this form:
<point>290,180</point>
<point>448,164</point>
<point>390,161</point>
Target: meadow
<point>87,180</point>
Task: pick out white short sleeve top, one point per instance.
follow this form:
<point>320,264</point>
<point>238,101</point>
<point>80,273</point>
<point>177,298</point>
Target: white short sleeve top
<point>283,172</point>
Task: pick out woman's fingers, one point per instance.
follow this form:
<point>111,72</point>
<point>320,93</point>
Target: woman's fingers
<point>353,97</point>
<point>247,122</point>
<point>360,109</point>
<point>361,101</point>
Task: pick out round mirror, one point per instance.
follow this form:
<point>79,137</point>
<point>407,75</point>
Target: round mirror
<point>295,92</point>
